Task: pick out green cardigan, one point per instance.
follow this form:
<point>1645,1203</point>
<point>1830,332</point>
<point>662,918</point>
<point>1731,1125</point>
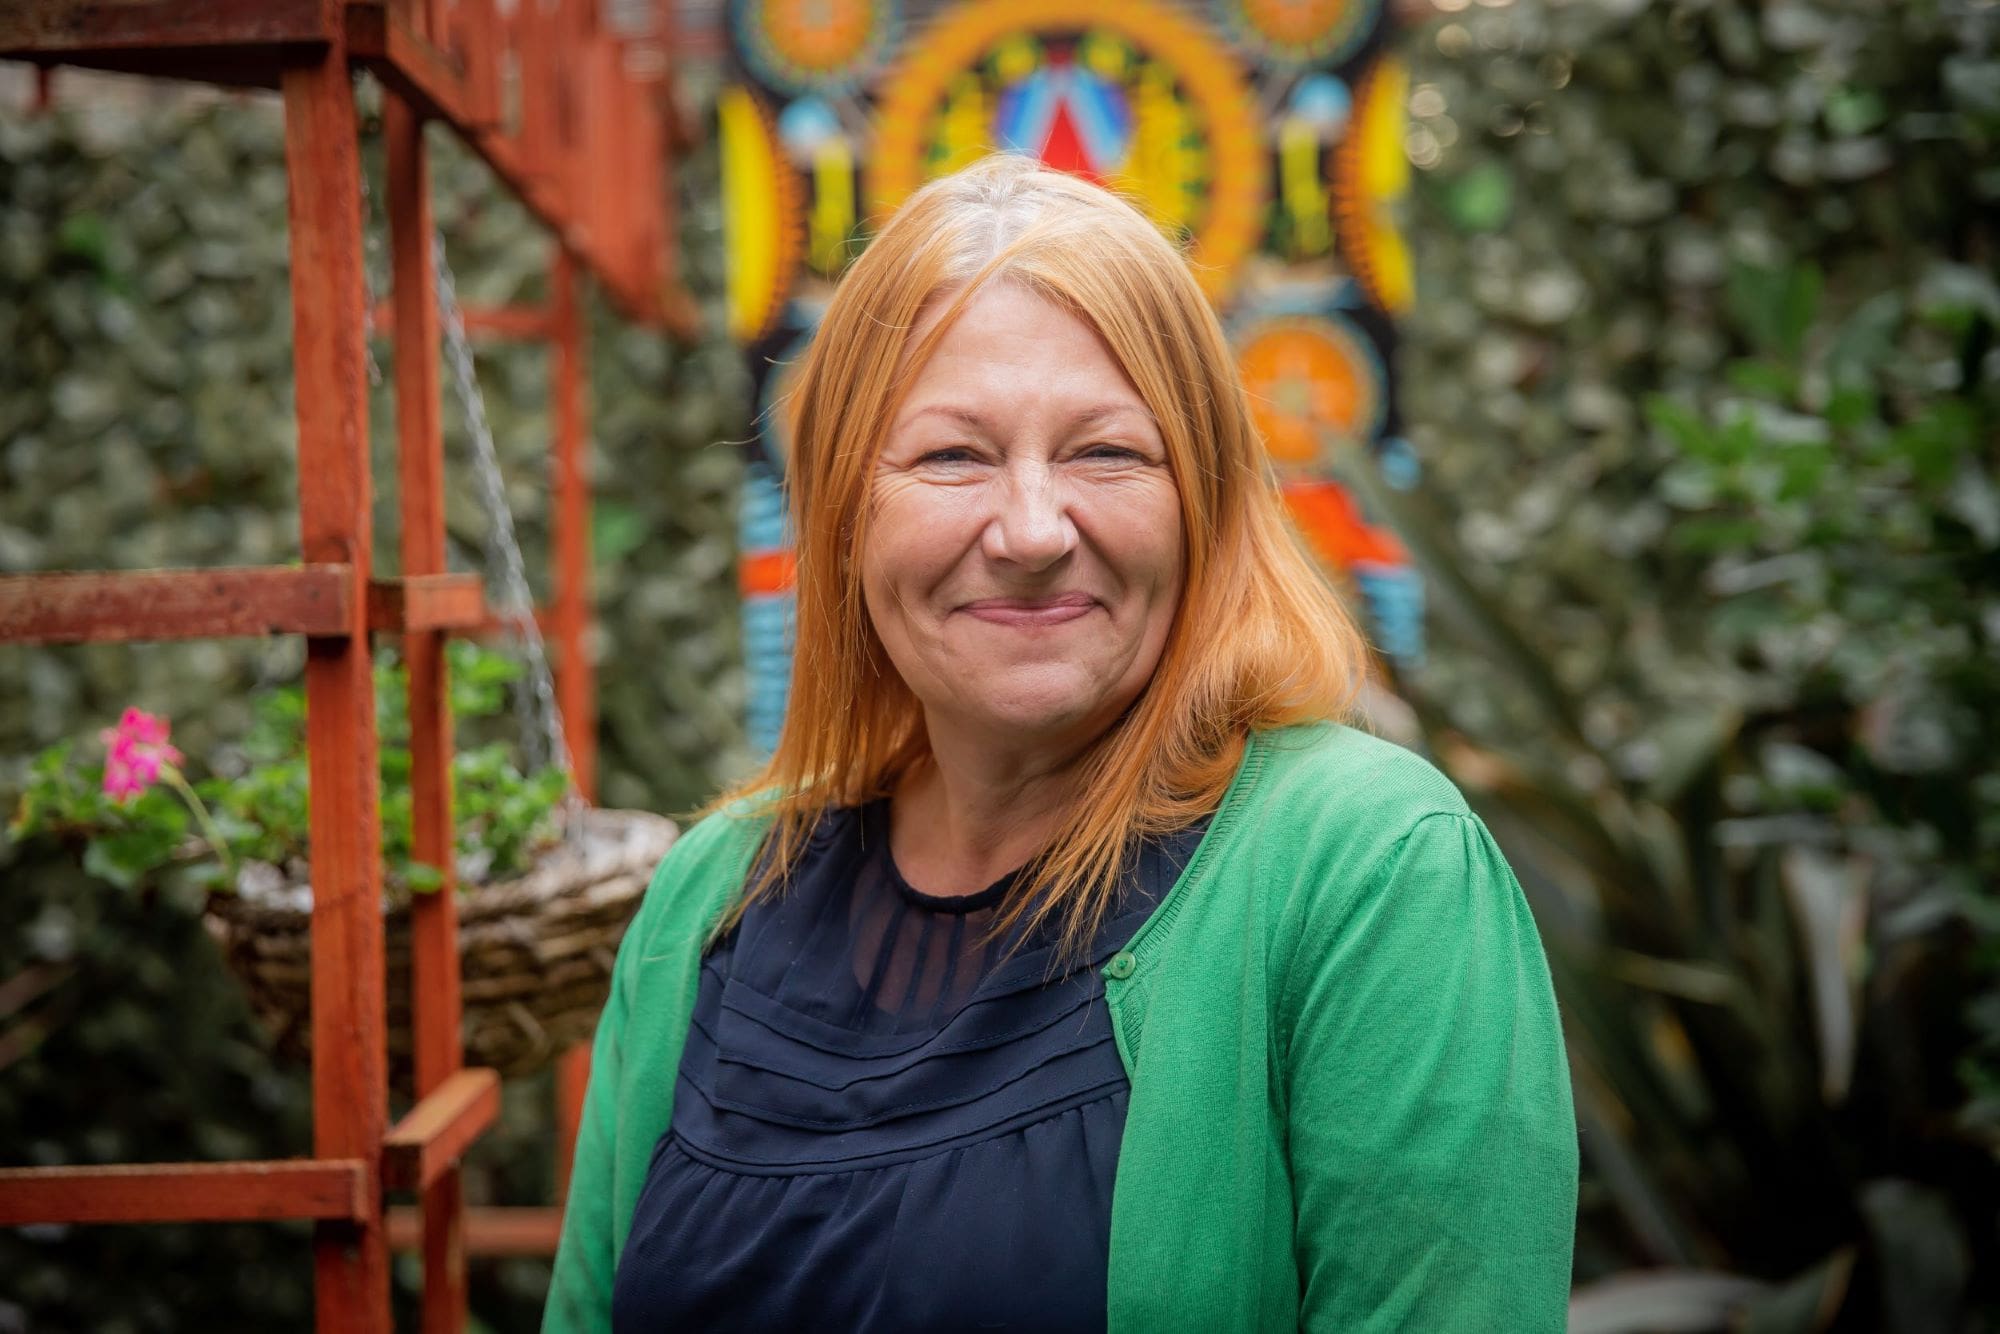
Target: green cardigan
<point>1349,1106</point>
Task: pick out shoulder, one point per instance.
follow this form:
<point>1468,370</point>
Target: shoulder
<point>721,834</point>
<point>1375,861</point>
<point>1335,775</point>
<point>1331,819</point>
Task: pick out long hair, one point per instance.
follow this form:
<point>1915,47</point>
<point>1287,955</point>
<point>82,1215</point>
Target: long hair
<point>1259,639</point>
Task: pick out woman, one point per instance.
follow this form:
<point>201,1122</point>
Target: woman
<point>1069,966</point>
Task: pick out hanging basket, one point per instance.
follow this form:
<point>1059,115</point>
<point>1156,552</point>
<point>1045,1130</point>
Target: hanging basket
<point>535,951</point>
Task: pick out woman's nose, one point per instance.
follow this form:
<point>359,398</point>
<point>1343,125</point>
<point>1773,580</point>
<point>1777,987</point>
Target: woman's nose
<point>1032,527</point>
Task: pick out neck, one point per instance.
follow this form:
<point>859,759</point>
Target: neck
<point>976,811</point>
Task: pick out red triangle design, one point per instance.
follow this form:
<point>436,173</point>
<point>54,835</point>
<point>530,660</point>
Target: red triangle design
<point>1063,149</point>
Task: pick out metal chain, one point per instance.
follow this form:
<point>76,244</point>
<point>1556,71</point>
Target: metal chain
<point>543,744</point>
<point>370,247</point>
<point>503,551</point>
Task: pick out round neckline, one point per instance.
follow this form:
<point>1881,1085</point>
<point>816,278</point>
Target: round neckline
<point>956,905</point>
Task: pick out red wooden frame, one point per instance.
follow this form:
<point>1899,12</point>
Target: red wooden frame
<point>427,1143</point>
<point>588,150</point>
<point>94,607</point>
<point>89,607</point>
<point>489,1230</point>
<point>187,1192</point>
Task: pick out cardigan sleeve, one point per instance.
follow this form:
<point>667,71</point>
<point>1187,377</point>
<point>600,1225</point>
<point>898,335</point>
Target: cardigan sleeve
<point>579,1300</point>
<point>1430,1132</point>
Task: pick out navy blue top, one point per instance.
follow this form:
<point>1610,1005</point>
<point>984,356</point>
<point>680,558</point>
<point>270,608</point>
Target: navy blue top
<point>884,1123</point>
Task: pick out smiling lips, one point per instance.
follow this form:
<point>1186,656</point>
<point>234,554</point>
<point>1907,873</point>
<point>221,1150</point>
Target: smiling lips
<point>1054,609</point>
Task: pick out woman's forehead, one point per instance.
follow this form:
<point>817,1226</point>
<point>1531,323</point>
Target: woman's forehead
<point>974,370</point>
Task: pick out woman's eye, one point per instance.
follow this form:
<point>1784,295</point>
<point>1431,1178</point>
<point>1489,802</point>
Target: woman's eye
<point>1116,453</point>
<point>951,455</point>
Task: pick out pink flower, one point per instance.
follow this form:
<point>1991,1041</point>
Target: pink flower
<point>135,752</point>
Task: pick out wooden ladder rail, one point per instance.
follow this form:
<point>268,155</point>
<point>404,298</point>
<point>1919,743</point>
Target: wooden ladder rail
<point>435,994</point>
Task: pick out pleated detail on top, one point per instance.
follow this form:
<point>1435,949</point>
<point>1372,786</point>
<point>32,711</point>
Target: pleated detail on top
<point>884,1122</point>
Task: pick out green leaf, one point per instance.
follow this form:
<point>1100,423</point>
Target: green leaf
<point>1851,111</point>
<point>1864,341</point>
<point>1763,377</point>
<point>1682,424</point>
<point>85,237</point>
<point>1683,1299</point>
<point>1951,295</point>
<point>1829,901</point>
<point>1924,1261</point>
<point>1481,199</point>
<point>127,857</point>
<point>616,530</point>
<point>1807,1303</point>
<point>1774,306</point>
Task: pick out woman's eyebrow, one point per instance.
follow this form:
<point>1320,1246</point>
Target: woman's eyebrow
<point>964,415</point>
<point>1097,416</point>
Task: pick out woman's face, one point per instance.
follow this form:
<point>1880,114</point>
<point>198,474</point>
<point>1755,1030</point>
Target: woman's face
<point>1025,560</point>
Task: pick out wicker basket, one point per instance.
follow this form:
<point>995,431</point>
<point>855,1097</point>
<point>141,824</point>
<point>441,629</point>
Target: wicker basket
<point>535,952</point>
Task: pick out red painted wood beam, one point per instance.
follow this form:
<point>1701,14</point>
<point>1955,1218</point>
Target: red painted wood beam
<point>329,358</point>
<point>420,602</point>
<point>185,1192</point>
<point>86,607</point>
<point>496,625</point>
<point>524,322</point>
<point>76,27</point>
<point>420,72</point>
<point>422,1152</point>
<point>489,1230</point>
<point>440,1128</point>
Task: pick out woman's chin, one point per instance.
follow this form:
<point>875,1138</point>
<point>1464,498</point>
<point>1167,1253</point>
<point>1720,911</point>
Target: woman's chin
<point>1041,704</point>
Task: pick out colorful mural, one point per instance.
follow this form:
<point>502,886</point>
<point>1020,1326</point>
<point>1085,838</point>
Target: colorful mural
<point>1264,137</point>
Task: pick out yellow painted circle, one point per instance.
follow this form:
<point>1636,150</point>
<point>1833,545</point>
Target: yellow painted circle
<point>1371,174</point>
<point>917,89</point>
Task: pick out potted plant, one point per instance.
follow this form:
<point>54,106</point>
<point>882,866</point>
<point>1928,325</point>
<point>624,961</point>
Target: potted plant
<point>546,885</point>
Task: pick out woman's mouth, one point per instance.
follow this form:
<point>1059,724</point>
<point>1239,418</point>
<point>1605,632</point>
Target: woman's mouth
<point>1054,609</point>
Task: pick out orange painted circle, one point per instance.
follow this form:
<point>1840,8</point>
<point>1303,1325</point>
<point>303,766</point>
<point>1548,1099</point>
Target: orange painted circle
<point>1296,21</point>
<point>1305,376</point>
<point>1302,32</point>
<point>826,46</point>
<point>818,35</point>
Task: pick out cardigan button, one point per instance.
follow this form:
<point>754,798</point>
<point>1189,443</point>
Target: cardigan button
<point>1122,966</point>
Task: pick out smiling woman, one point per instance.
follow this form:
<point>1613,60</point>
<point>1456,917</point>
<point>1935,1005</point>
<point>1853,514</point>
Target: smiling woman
<point>1065,780</point>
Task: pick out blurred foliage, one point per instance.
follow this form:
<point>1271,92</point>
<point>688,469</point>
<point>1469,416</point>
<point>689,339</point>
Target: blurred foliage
<point>146,419</point>
<point>1703,367</point>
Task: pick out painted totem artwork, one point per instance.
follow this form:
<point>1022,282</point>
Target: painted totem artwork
<point>1264,137</point>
